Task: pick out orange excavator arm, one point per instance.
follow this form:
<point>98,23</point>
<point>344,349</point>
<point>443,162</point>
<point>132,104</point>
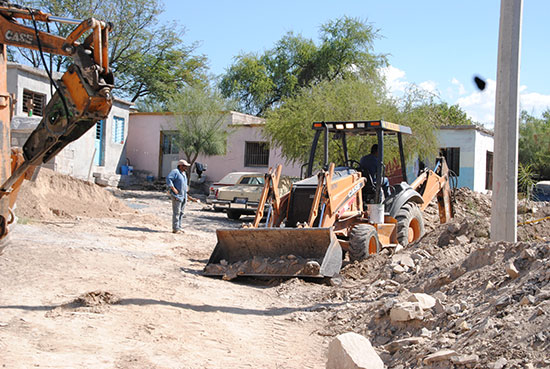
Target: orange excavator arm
<point>83,94</point>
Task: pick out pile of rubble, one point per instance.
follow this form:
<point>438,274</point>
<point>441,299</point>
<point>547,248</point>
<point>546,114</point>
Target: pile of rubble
<point>453,299</point>
<point>289,265</point>
<point>482,304</point>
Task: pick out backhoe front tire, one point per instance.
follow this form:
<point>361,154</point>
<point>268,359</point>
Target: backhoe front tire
<point>233,214</point>
<point>363,241</point>
<point>410,224</point>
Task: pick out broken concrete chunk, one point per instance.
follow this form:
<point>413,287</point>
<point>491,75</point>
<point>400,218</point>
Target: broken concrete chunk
<point>440,296</point>
<point>402,259</point>
<point>499,364</point>
<point>398,344</point>
<point>426,301</point>
<point>453,309</point>
<point>405,311</point>
<point>463,326</point>
<point>439,356</point>
<point>512,270</point>
<point>439,307</point>
<point>352,351</point>
<point>528,254</point>
<point>465,359</point>
<point>425,332</point>
<point>398,269</point>
<point>527,300</point>
<point>502,302</point>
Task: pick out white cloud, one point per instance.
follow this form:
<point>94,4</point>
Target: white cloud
<point>457,83</point>
<point>395,79</point>
<point>480,105</point>
<point>534,103</point>
<point>429,86</point>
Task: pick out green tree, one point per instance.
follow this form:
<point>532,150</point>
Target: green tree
<point>534,143</point>
<point>289,126</point>
<point>262,82</point>
<point>200,113</point>
<point>147,58</point>
<point>452,115</point>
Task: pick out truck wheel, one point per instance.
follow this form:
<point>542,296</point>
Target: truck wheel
<point>410,224</point>
<point>233,214</point>
<point>363,241</point>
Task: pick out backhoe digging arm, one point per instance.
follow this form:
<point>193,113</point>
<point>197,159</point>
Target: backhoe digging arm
<point>82,97</point>
<point>436,183</point>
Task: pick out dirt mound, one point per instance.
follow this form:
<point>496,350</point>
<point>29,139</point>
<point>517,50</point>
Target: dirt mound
<point>54,195</point>
<point>96,298</point>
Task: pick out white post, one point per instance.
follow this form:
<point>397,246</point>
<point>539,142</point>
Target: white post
<point>505,164</point>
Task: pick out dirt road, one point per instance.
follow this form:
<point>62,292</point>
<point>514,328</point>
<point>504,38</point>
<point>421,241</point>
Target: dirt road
<point>99,282</point>
<point>124,292</point>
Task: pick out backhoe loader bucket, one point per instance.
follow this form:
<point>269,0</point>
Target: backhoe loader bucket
<point>275,252</point>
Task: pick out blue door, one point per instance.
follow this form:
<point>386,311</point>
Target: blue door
<point>99,142</point>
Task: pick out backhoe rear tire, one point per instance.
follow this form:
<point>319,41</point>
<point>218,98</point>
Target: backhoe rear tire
<point>363,241</point>
<point>233,214</point>
<point>410,224</point>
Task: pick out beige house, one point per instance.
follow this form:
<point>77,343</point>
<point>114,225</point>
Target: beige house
<point>151,147</point>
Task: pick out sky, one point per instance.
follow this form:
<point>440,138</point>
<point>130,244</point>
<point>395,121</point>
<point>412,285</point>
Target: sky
<point>439,45</point>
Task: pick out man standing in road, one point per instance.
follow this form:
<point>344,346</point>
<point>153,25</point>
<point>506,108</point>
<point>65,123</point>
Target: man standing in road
<point>177,185</point>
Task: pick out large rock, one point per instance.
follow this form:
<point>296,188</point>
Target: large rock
<point>352,351</point>
<point>403,260</point>
<point>439,356</point>
<point>405,311</point>
<point>512,270</point>
<point>426,301</point>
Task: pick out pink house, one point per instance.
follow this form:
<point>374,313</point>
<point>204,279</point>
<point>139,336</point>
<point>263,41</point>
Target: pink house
<point>150,147</point>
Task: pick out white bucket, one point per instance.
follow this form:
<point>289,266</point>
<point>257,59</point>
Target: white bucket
<point>376,213</point>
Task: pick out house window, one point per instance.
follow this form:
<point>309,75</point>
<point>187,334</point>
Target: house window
<point>256,154</point>
<point>33,103</point>
<point>489,171</point>
<point>118,130</point>
<point>169,145</point>
<point>452,156</point>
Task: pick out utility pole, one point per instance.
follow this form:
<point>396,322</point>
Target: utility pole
<point>505,165</point>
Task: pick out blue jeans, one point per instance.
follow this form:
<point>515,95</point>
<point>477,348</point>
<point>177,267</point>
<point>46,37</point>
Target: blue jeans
<point>177,213</point>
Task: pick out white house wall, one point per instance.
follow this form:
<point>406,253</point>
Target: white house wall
<point>75,159</point>
<point>465,140</point>
<point>483,143</point>
<point>21,78</point>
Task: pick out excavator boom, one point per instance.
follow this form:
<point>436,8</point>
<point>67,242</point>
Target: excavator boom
<point>83,95</point>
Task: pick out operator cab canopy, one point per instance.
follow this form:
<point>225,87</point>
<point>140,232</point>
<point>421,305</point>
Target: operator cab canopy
<point>342,129</point>
<point>362,127</point>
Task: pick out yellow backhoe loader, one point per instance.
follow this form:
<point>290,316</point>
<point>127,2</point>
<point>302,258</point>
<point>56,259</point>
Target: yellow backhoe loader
<point>341,209</point>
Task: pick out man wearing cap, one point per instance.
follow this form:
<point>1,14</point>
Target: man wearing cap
<point>177,185</point>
